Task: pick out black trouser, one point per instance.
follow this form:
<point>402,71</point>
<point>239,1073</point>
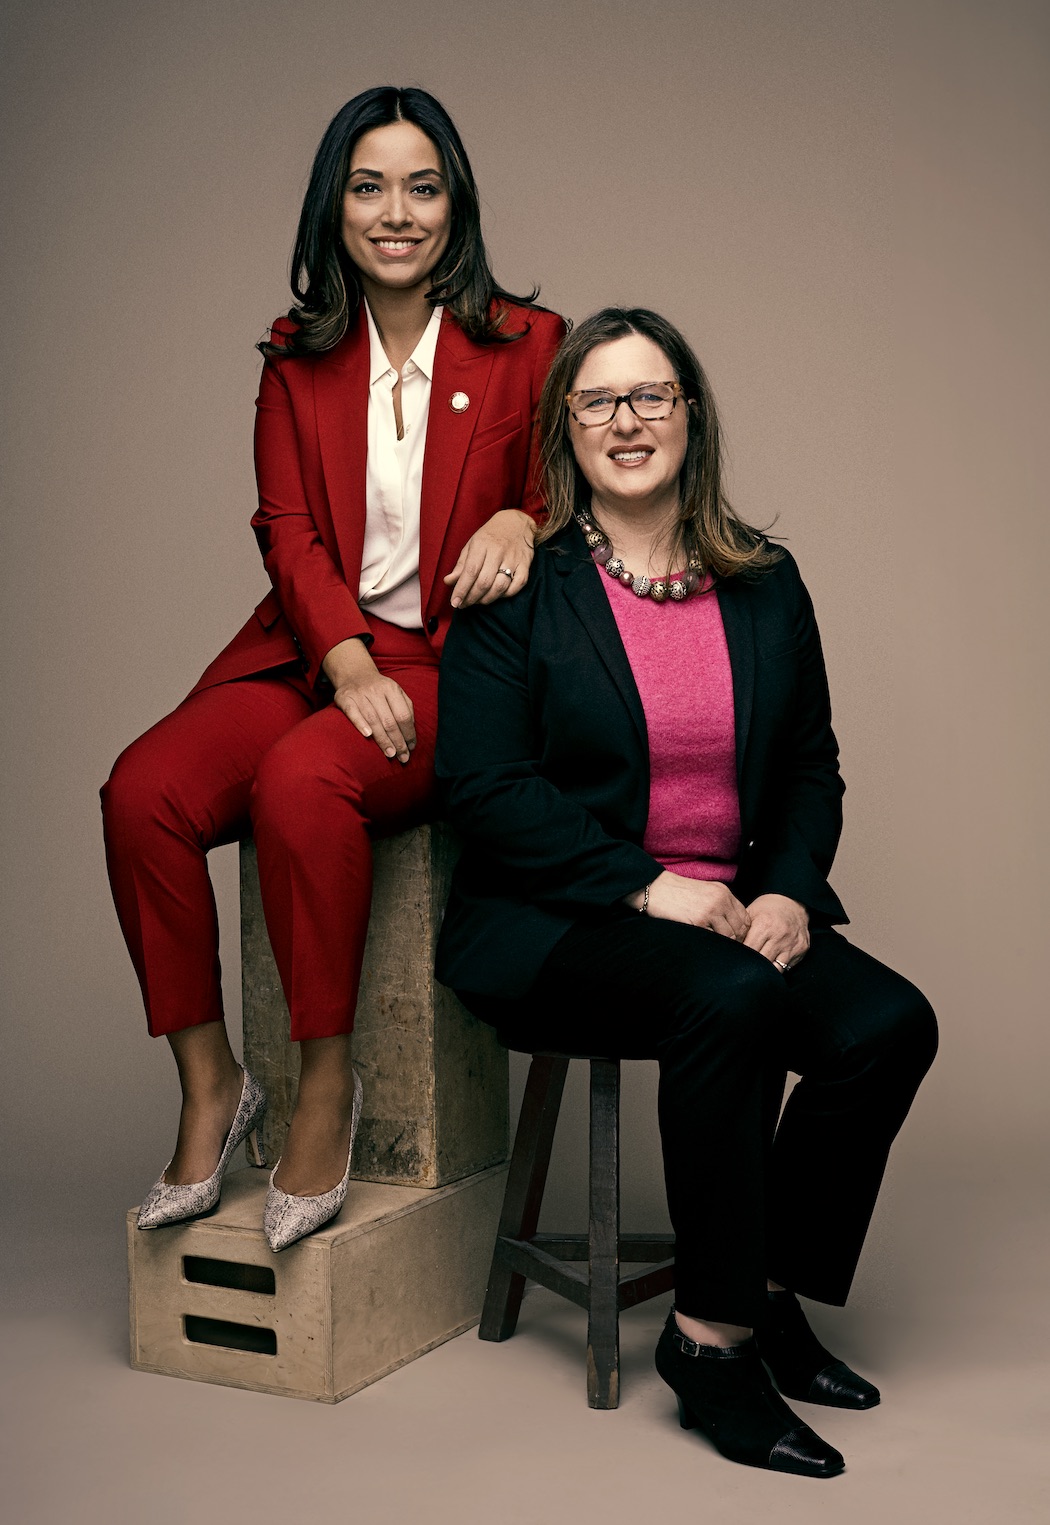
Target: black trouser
<point>725,1025</point>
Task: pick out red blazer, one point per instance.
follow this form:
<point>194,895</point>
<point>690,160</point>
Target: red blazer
<point>310,447</point>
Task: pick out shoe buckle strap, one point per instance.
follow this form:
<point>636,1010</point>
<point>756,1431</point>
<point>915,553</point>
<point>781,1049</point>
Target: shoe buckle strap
<point>687,1346</point>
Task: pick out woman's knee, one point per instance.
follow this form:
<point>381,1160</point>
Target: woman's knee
<point>901,1035</point>
<point>137,796</point>
<point>912,1027</point>
<point>295,786</point>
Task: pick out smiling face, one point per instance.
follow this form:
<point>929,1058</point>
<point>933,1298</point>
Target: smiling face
<point>630,463</point>
<point>397,214</point>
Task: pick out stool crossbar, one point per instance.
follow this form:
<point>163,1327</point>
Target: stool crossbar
<point>554,1260</point>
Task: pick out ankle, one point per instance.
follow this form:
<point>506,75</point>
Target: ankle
<point>327,1101</point>
<point>212,1089</point>
<point>709,1332</point>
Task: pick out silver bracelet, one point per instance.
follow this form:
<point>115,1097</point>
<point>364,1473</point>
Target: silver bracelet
<point>643,909</point>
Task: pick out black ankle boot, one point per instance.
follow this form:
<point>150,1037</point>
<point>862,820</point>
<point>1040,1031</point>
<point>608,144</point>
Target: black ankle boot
<point>801,1367</point>
<point>727,1394</point>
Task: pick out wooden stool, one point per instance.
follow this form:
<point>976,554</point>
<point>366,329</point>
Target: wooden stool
<point>522,1254</point>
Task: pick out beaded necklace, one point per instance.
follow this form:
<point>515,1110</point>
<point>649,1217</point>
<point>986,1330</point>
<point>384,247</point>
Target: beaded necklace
<point>656,588</point>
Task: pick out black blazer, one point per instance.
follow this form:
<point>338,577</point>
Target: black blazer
<point>543,762</point>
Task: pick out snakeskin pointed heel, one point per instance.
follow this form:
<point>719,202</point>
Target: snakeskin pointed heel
<point>287,1218</point>
<point>169,1203</point>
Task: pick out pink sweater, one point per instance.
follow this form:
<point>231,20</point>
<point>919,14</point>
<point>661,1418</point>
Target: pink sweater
<point>680,663</point>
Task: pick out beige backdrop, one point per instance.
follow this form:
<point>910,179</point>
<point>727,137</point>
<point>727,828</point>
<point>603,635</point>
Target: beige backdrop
<point>845,208</point>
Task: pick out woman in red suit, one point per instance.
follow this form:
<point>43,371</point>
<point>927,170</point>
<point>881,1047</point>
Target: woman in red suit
<point>393,443</point>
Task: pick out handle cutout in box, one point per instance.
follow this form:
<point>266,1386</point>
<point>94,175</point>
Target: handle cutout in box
<point>238,1275</point>
<point>217,1331</point>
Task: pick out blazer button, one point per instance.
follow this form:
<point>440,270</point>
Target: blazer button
<point>432,624</point>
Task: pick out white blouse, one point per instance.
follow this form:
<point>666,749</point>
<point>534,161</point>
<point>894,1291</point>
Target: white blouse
<point>394,479</point>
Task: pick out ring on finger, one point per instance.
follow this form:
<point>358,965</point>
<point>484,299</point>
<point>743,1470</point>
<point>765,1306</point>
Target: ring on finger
<point>508,572</point>
<point>781,965</point>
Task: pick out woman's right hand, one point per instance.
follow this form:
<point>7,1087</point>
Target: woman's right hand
<point>697,902</point>
<point>377,706</point>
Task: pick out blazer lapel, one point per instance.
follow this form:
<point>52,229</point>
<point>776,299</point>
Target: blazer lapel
<point>460,366</point>
<point>590,603</point>
<point>341,406</point>
<point>740,640</point>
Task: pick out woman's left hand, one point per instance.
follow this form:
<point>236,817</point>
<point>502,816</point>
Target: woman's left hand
<point>779,930</point>
<point>503,545</point>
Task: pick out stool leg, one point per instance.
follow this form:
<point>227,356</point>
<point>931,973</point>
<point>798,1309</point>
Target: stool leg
<point>603,1313</point>
<point>526,1179</point>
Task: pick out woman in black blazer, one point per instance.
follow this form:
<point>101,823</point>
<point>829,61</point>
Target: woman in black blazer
<point>627,764</point>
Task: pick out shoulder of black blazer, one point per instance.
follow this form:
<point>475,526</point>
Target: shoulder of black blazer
<point>764,617</point>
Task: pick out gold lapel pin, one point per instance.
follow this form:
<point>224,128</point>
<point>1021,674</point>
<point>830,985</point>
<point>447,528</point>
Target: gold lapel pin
<point>459,402</point>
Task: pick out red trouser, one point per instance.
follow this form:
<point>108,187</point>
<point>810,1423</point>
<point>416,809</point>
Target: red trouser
<point>258,755</point>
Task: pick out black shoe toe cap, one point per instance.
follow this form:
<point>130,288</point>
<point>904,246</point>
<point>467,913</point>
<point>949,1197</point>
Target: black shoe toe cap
<point>803,1452</point>
<point>839,1387</point>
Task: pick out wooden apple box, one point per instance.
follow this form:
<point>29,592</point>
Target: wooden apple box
<point>399,1271</point>
<point>404,1267</point>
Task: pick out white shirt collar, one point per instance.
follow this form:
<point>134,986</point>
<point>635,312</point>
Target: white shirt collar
<point>422,357</point>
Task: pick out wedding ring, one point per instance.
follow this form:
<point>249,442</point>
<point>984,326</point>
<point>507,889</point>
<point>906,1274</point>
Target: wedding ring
<point>507,572</point>
<point>781,966</point>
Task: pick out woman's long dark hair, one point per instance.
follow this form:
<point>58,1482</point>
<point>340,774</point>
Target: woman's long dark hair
<point>324,280</point>
<point>708,533</point>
